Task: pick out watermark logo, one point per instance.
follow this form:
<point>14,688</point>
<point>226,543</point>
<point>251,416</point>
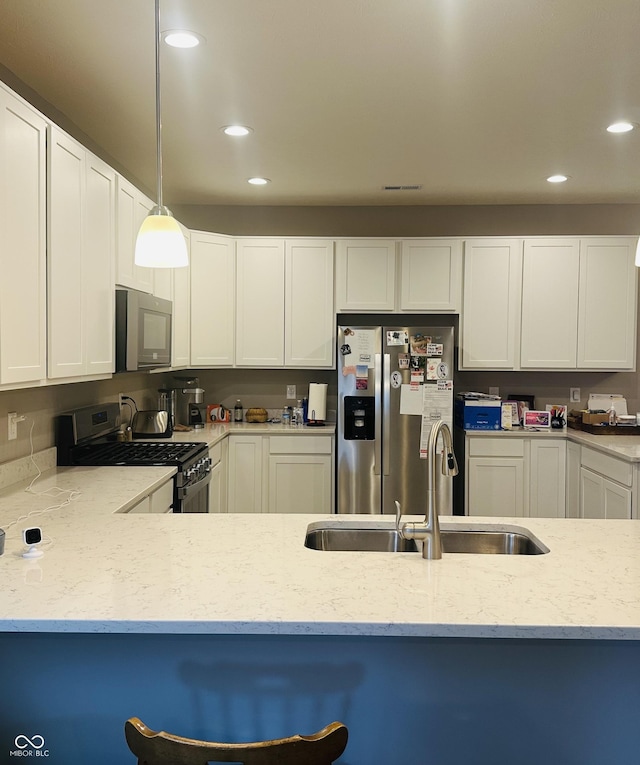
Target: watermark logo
<point>26,746</point>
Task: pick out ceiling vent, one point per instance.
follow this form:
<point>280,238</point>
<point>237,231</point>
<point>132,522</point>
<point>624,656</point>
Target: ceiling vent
<point>415,187</point>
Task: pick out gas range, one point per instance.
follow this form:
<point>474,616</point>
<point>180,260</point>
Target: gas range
<point>88,436</point>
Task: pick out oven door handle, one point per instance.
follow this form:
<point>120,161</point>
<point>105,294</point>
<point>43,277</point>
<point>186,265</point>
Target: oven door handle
<point>183,492</point>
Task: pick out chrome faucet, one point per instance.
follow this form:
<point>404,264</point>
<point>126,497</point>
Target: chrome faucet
<point>429,530</point>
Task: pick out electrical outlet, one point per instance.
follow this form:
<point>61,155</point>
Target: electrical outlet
<point>574,395</point>
<point>12,419</point>
<point>291,391</point>
<point>494,391</point>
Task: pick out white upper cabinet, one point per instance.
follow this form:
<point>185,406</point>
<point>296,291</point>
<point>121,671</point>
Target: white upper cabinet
<point>309,333</point>
<point>80,261</point>
<point>260,269</point>
<point>99,266</point>
<point>491,304</point>
<point>23,302</point>
<point>431,275</point>
<point>365,275</point>
<point>550,303</point>
<point>564,303</point>
<point>607,304</point>
<point>212,300</point>
<point>181,297</point>
<point>132,208</point>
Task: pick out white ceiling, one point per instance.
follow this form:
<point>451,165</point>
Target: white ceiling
<point>477,100</point>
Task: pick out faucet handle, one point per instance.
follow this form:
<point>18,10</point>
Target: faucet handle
<point>398,517</point>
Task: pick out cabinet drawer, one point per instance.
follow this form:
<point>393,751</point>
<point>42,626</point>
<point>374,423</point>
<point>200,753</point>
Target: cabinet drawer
<point>496,447</point>
<point>610,467</point>
<point>300,445</point>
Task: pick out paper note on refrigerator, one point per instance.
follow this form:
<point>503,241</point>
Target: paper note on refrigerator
<point>411,399</point>
<point>437,404</point>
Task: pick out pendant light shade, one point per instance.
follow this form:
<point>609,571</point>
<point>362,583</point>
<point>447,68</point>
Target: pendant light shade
<point>160,242</point>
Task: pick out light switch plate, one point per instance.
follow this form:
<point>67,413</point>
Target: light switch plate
<point>574,395</point>
<point>291,391</point>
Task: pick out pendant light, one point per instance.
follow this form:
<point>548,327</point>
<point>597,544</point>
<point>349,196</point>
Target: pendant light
<point>160,243</point>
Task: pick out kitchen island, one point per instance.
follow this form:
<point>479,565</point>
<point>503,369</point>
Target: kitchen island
<point>228,627</point>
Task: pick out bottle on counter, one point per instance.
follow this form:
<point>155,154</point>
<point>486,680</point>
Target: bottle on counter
<point>286,415</point>
<point>237,411</point>
<point>298,415</point>
<point>612,414</point>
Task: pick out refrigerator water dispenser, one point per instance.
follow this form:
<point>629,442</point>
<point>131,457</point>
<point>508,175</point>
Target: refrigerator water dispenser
<point>359,418</point>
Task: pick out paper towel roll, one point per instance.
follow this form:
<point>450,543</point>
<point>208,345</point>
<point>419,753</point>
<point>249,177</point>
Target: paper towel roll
<point>317,409</point>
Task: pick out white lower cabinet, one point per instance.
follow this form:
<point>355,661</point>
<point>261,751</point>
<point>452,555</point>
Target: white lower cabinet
<point>300,474</point>
<point>509,476</point>
<point>159,501</point>
<point>280,474</point>
<point>607,485</point>
<point>245,474</point>
<point>219,456</point>
<point>495,474</point>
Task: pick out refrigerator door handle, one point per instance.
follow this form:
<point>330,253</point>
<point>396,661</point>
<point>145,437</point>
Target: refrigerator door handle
<point>377,392</point>
<point>386,409</point>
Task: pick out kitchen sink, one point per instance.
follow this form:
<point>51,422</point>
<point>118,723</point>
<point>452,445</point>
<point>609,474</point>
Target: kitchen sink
<point>476,539</point>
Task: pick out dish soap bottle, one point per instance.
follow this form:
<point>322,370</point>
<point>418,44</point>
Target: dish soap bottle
<point>237,411</point>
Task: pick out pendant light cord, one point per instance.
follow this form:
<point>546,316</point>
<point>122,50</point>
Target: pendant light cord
<point>158,113</point>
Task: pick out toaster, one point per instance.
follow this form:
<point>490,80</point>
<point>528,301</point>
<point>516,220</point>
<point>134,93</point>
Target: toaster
<point>151,424</point>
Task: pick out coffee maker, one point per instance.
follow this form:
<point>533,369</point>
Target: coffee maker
<point>188,398</point>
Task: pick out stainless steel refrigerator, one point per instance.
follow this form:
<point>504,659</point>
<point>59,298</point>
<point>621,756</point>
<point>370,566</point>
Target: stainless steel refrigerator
<point>393,382</point>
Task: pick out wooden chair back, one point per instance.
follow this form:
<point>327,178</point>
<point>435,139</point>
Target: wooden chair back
<point>160,748</point>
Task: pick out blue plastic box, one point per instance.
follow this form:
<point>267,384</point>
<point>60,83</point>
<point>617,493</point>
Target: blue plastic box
<point>480,414</point>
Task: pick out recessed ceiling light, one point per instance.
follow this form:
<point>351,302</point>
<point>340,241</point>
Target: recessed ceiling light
<point>558,178</point>
<point>259,181</point>
<point>236,130</point>
<point>181,38</point>
<point>620,127</point>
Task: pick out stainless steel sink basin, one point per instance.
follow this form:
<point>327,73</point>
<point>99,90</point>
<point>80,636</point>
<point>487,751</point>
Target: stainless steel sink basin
<point>515,541</point>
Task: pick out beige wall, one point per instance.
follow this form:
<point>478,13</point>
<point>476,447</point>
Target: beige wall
<point>406,221</point>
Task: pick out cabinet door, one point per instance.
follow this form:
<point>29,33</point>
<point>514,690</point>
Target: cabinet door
<point>547,478</point>
<point>66,329</point>
<point>23,300</point>
<point>245,474</point>
<point>602,498</point>
<point>431,275</point>
<point>309,332</point>
<point>573,480</point>
<point>616,500</point>
<point>550,303</point>
<point>591,494</point>
<point>491,305</point>
<point>495,486</point>
<point>181,320</point>
<point>607,304</point>
<point>132,206</point>
<point>215,490</point>
<point>260,303</point>
<point>365,275</point>
<point>300,483</point>
<point>212,300</point>
<point>161,501</point>
<point>99,266</point>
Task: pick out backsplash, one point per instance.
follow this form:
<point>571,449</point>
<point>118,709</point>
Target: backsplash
<point>268,389</point>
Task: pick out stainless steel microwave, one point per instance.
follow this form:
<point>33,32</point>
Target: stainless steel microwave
<point>143,331</point>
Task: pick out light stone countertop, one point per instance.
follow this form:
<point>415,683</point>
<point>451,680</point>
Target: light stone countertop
<point>251,574</point>
<point>624,447</point>
<point>212,433</point>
